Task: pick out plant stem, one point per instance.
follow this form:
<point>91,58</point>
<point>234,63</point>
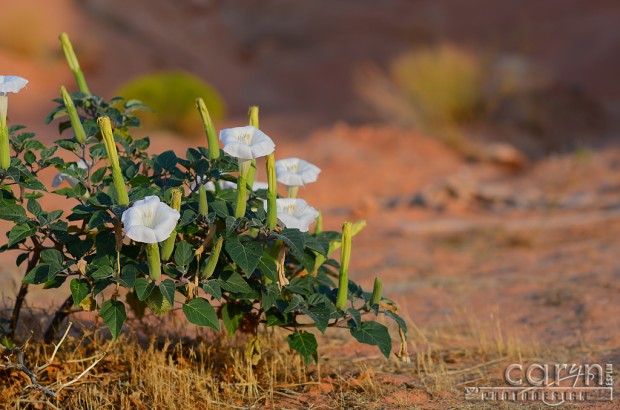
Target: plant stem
<point>23,290</point>
<point>153,260</point>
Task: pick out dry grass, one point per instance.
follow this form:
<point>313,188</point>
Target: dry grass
<point>211,371</point>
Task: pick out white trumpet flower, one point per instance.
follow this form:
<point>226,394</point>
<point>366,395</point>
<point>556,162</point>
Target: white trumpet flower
<point>246,142</point>
<point>295,172</point>
<point>62,177</point>
<point>150,220</point>
<point>295,213</point>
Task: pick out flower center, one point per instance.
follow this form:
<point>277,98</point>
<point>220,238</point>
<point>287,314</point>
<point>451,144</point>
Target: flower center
<point>290,209</point>
<point>293,167</point>
<point>149,218</point>
<point>246,138</point>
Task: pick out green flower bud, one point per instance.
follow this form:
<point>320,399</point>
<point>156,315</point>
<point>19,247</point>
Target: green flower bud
<point>5,154</point>
<point>168,245</point>
<point>212,260</point>
<point>214,149</point>
<point>203,206</point>
<point>272,193</point>
<point>253,120</point>
<point>318,224</point>
<point>117,176</point>
<point>74,65</point>
<point>80,135</point>
<point>242,194</point>
<point>376,292</point>
<point>152,259</point>
<point>345,257</point>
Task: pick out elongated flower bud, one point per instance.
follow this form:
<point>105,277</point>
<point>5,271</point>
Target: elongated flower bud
<point>345,257</point>
<point>74,65</point>
<point>168,245</point>
<point>152,259</point>
<point>117,176</point>
<point>203,206</point>
<point>318,224</point>
<point>253,116</point>
<point>76,124</point>
<point>272,193</point>
<point>214,149</point>
<point>253,121</point>
<point>376,292</point>
<point>242,193</point>
<point>5,153</point>
<point>212,260</point>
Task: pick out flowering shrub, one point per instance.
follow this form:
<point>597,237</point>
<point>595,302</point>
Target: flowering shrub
<point>162,230</point>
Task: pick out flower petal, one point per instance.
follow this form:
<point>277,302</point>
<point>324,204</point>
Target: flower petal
<point>140,233</point>
<point>11,83</point>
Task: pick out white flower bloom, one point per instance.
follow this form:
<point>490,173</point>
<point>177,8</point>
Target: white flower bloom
<point>150,220</point>
<point>296,172</point>
<point>295,213</point>
<point>11,83</point>
<point>61,177</point>
<point>246,142</point>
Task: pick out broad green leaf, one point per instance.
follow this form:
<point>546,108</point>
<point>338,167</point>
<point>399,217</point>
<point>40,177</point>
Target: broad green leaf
<point>320,315</point>
<point>102,272</point>
<point>183,253</point>
<point>296,303</point>
<point>80,288</point>
<point>268,267</point>
<point>295,239</point>
<point>12,212</point>
<point>232,315</point>
<point>200,312</point>
<point>233,282</point>
<point>213,288</point>
<point>52,257</point>
<point>246,255</point>
<point>167,288</point>
<point>304,343</point>
<point>20,232</point>
<point>355,316</point>
<point>373,333</point>
<point>40,274</point>
<point>113,315</point>
<point>144,287</point>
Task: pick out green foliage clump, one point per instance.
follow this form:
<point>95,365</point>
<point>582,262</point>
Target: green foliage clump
<point>225,267</point>
<point>171,95</point>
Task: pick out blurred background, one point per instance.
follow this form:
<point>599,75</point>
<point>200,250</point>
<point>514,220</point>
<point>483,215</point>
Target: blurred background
<point>479,139</point>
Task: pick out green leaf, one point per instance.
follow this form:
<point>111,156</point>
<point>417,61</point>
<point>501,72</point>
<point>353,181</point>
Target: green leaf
<point>113,315</point>
<point>304,343</point>
<point>34,207</point>
<point>232,315</point>
<point>295,239</point>
<point>397,319</point>
<point>167,288</point>
<point>102,272</point>
<point>355,316</point>
<point>144,287</point>
<point>246,255</point>
<point>183,253</point>
<point>296,303</point>
<point>268,267</point>
<point>233,282</point>
<point>80,288</point>
<point>200,312</point>
<point>12,212</point>
<point>320,315</point>
<point>213,288</point>
<point>20,232</point>
<point>52,257</point>
<point>99,218</point>
<point>375,334</point>
<point>167,160</point>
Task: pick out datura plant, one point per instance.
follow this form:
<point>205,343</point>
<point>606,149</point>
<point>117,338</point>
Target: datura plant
<point>164,231</point>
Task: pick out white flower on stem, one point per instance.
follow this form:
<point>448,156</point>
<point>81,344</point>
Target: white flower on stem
<point>295,213</point>
<point>150,220</point>
<point>246,142</point>
<point>8,84</point>
<point>61,177</point>
<point>296,172</point>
